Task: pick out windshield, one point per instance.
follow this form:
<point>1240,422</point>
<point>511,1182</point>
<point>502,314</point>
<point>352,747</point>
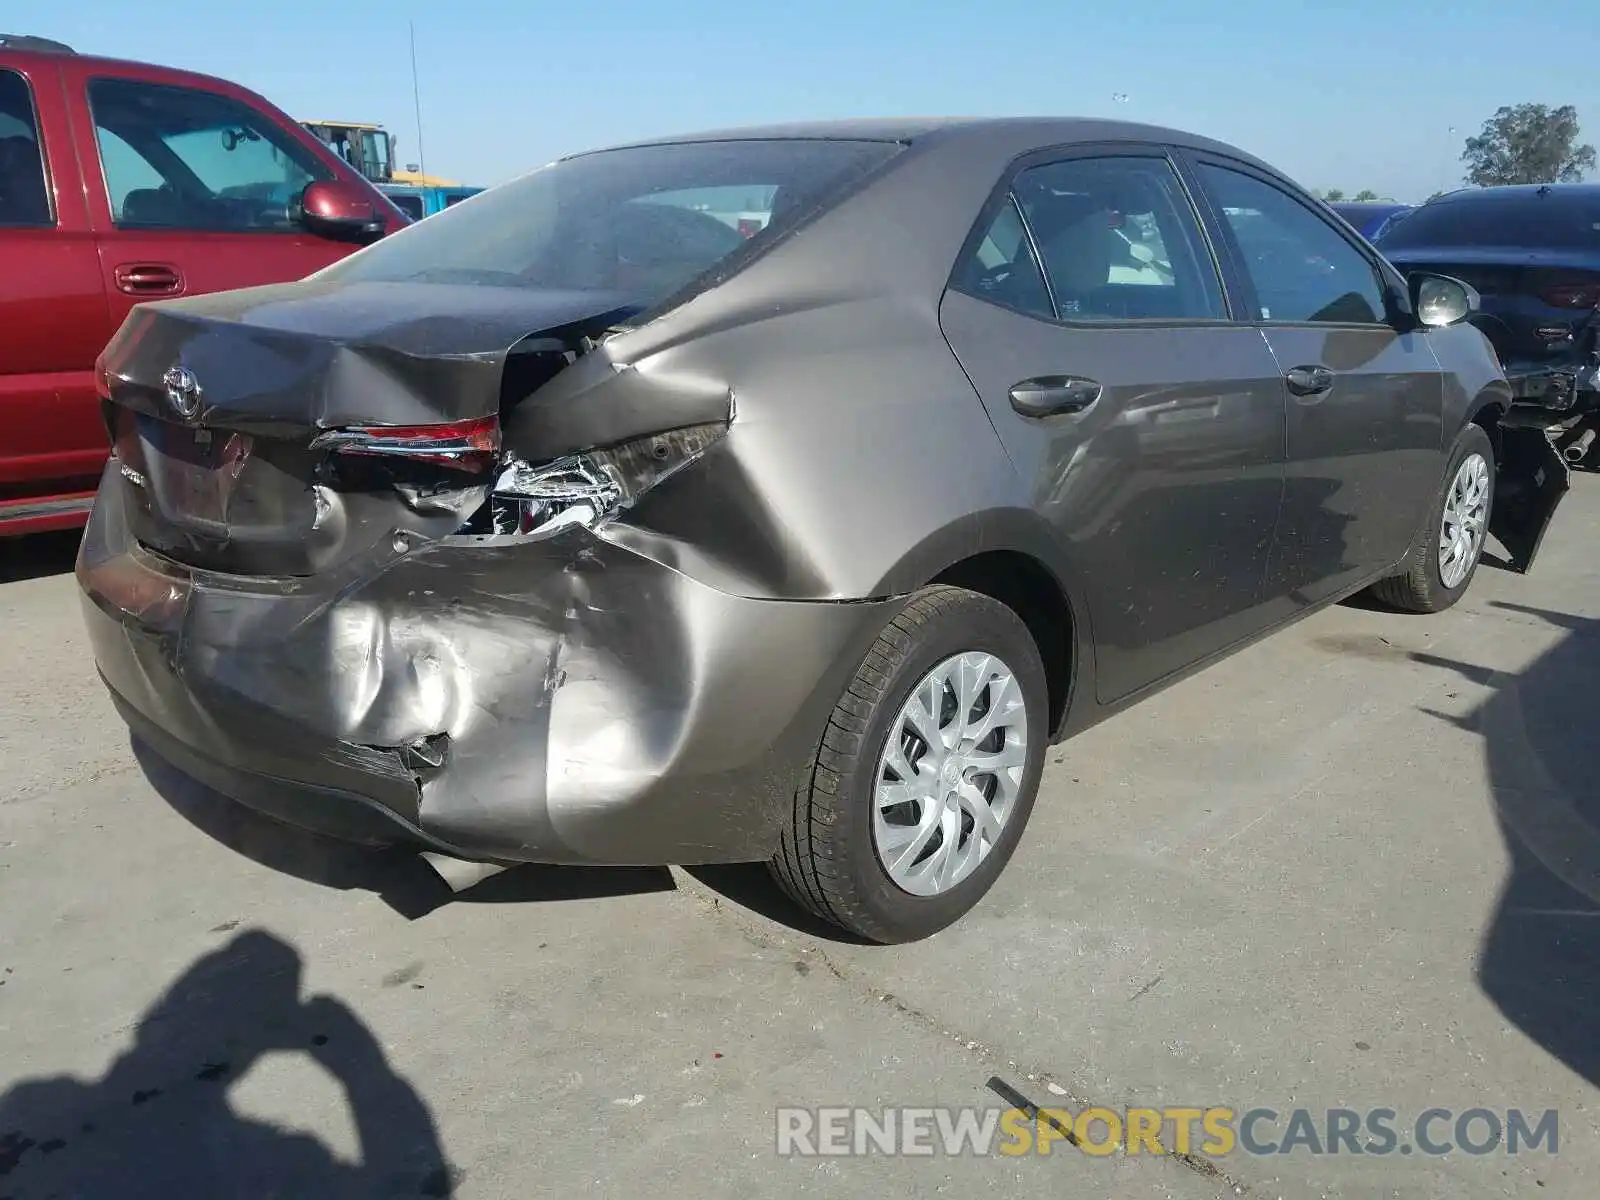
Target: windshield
<point>645,221</point>
<point>1548,222</point>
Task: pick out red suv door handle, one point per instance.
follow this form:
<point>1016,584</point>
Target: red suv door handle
<point>148,279</point>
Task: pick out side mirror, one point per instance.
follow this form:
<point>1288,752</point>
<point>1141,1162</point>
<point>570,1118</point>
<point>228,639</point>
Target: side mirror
<point>332,208</point>
<point>1439,300</point>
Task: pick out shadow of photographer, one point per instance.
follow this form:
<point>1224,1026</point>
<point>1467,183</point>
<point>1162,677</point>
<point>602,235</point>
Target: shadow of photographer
<point>159,1123</point>
<point>1540,957</point>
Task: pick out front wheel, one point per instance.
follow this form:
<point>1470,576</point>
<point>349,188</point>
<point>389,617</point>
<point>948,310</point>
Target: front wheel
<point>1445,556</point>
<point>926,774</point>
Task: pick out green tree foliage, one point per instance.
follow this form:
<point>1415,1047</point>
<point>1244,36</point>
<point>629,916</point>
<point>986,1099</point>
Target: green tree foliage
<point>1528,143</point>
<point>1365,194</point>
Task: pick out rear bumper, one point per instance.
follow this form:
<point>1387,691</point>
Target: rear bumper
<point>563,700</point>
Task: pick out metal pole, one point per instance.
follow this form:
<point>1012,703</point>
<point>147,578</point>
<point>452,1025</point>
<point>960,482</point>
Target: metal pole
<point>416,97</point>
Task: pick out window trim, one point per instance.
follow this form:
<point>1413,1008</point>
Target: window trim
<point>32,94</point>
<point>1389,281</point>
<point>1001,194</point>
<point>298,153</point>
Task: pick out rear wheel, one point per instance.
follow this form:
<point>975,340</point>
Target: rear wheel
<point>1445,556</point>
<point>926,774</point>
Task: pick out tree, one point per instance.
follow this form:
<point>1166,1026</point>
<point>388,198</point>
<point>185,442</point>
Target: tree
<point>1333,195</point>
<point>1528,143</point>
<point>1365,194</point>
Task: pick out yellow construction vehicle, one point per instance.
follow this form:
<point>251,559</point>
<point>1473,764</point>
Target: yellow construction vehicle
<point>370,149</point>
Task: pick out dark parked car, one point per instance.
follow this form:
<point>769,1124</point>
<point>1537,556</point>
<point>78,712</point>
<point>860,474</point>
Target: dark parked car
<point>1371,218</point>
<point>1533,254</point>
<point>573,525</point>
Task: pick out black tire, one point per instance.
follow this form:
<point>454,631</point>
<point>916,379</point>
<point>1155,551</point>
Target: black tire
<point>827,860</point>
<point>1419,588</point>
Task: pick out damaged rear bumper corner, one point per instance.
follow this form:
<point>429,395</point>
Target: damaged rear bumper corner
<point>561,700</point>
<point>1532,479</point>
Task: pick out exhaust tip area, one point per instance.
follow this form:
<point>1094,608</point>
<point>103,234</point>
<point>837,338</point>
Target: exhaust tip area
<point>459,874</point>
<point>1578,450</point>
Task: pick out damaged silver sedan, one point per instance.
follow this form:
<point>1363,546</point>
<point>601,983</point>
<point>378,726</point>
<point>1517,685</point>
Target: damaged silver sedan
<point>774,495</point>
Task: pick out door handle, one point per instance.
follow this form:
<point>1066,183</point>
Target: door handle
<point>1054,395</point>
<point>1309,381</point>
<point>148,279</point>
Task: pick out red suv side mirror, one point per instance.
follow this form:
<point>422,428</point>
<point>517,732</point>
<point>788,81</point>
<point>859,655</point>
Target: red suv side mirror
<point>332,208</point>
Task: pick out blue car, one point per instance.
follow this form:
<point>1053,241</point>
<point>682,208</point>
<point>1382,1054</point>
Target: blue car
<point>1372,218</point>
<point>418,202</point>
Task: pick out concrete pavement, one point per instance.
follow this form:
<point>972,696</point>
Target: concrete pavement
<point>1353,867</point>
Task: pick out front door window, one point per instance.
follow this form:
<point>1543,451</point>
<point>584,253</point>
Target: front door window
<point>183,158</point>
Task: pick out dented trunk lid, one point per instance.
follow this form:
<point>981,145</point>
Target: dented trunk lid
<point>215,405</point>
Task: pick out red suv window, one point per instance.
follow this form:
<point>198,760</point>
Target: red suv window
<point>183,158</point>
<point>24,195</point>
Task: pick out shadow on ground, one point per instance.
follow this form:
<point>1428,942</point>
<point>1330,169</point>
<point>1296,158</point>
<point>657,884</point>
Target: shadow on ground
<point>159,1123</point>
<point>400,877</point>
<point>38,555</point>
<point>412,889</point>
<point>1540,957</point>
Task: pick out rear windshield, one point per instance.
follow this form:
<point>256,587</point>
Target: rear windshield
<point>645,222</point>
<point>1548,222</point>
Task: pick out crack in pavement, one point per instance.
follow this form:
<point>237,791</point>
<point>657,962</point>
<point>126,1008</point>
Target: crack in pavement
<point>93,775</point>
<point>767,938</point>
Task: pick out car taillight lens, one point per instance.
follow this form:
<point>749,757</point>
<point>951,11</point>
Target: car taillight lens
<point>1572,295</point>
<point>471,446</point>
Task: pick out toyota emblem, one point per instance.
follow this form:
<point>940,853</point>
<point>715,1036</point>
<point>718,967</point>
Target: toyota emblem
<point>183,392</point>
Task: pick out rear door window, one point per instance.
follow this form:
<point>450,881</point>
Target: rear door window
<point>1118,240</point>
<point>24,193</point>
<point>1303,270</point>
<point>184,158</point>
<point>1112,239</point>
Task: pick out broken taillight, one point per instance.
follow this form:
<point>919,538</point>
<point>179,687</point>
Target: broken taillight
<point>471,445</point>
<point>536,499</point>
<point>1572,295</point>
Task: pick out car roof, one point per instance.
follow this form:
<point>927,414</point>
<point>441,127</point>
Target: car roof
<point>27,49</point>
<point>1039,131</point>
<point>1520,191</point>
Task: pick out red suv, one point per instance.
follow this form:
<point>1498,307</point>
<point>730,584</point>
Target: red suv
<point>122,182</point>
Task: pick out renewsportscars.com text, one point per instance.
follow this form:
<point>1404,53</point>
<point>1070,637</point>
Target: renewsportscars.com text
<point>1213,1132</point>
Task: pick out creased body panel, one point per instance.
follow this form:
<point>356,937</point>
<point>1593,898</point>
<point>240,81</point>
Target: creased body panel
<point>590,705</point>
<point>286,359</point>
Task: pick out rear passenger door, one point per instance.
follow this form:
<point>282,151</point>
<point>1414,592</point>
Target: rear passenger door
<point>1365,401</point>
<point>1089,313</point>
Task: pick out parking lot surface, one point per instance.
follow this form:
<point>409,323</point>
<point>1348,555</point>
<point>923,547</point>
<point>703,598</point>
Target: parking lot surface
<point>1356,866</point>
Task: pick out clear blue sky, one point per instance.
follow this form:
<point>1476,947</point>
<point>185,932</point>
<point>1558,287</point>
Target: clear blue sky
<point>1365,98</point>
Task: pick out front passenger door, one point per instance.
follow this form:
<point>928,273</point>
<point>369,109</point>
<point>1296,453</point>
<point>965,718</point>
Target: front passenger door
<point>1365,401</point>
